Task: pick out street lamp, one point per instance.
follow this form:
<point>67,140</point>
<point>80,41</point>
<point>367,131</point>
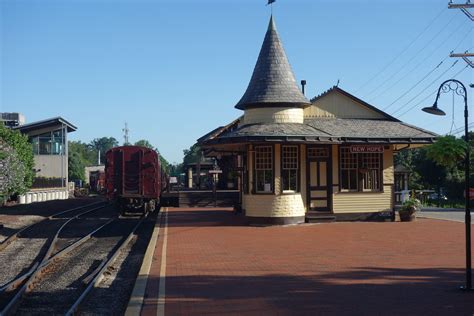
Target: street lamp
<point>457,87</point>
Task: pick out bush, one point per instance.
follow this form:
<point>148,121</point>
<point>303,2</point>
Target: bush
<point>16,157</point>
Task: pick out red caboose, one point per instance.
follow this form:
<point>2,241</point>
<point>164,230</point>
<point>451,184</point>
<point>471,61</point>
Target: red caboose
<point>133,178</point>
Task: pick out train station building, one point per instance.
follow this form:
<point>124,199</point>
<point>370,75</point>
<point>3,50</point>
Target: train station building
<point>328,158</point>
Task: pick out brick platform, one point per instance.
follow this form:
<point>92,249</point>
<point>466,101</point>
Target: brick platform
<point>216,265</point>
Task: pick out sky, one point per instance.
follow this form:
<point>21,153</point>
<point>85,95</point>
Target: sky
<point>174,69</point>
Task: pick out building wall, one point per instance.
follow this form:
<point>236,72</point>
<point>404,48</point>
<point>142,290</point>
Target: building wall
<point>364,202</point>
<point>88,170</point>
<point>273,115</point>
<point>275,204</point>
<point>294,205</point>
<point>340,106</point>
<point>50,166</point>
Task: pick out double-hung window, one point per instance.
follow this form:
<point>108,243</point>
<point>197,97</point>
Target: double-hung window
<point>360,171</point>
<point>289,169</point>
<point>264,169</point>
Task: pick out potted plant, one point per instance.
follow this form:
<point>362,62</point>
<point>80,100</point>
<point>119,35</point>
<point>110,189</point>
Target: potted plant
<point>408,210</point>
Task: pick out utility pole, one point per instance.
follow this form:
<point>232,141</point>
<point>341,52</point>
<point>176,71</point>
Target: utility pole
<point>464,56</point>
<point>463,7</point>
<point>125,134</point>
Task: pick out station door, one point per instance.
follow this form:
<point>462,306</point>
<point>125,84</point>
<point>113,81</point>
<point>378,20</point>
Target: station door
<point>319,178</point>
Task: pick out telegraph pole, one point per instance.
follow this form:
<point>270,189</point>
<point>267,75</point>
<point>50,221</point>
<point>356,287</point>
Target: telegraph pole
<point>463,7</point>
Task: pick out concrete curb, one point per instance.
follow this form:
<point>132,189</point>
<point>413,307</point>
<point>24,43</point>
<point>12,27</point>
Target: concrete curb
<point>138,294</point>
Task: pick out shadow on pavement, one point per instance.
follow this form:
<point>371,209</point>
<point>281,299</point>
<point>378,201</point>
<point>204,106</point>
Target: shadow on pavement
<point>363,291</point>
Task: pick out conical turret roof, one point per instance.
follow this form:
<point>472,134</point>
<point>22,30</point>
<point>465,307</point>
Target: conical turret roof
<point>273,82</point>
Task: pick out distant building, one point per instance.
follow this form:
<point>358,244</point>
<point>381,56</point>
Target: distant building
<point>12,119</point>
<point>328,158</point>
<point>49,140</point>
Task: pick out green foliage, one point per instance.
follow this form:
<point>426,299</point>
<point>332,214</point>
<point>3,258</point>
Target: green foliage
<point>439,166</point>
<point>412,204</point>
<point>80,155</point>
<point>447,151</point>
<point>19,163</point>
<point>144,143</point>
<point>165,165</point>
<point>76,166</point>
<point>192,155</point>
<point>103,144</point>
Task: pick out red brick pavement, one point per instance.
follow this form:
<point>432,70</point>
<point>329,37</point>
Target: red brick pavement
<point>218,266</point>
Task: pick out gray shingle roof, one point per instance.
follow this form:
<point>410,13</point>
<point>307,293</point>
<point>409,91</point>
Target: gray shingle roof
<point>325,130</point>
<point>360,128</point>
<point>272,132</point>
<point>273,82</point>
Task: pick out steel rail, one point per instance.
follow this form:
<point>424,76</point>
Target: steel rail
<point>96,276</point>
<point>4,244</point>
<point>34,275</point>
<point>13,284</point>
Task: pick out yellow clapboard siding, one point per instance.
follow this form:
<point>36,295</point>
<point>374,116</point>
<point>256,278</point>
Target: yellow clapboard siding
<point>363,202</point>
<point>335,104</point>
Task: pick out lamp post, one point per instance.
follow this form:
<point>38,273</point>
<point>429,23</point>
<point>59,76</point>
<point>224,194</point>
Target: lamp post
<point>457,87</point>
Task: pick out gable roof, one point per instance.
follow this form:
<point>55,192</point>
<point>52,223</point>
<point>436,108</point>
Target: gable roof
<point>336,89</point>
<point>51,122</point>
<point>215,133</point>
<point>273,82</point>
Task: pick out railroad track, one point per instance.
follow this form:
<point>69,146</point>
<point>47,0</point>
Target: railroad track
<point>5,243</point>
<point>26,247</point>
<point>69,270</point>
<point>34,245</point>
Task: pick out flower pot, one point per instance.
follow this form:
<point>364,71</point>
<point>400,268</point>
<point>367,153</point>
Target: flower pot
<point>407,214</point>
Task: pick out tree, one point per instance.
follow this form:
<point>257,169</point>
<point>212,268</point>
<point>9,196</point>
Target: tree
<point>165,165</point>
<point>103,144</point>
<point>77,166</point>
<point>144,143</point>
<point>192,155</point>
<point>447,151</point>
<point>17,160</point>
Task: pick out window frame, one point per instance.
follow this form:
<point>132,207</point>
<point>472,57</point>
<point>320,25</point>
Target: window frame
<point>360,181</point>
<point>297,170</point>
<point>254,169</point>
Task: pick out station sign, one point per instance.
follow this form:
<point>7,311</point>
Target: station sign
<point>366,149</point>
<point>173,180</point>
<point>215,171</point>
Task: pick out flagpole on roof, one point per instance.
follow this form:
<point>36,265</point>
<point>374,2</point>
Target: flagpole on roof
<point>270,2</point>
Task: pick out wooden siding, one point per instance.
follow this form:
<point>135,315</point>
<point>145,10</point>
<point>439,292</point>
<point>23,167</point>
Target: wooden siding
<point>337,105</point>
<point>363,202</point>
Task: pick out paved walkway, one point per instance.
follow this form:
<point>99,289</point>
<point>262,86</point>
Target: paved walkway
<point>450,214</point>
<point>206,262</point>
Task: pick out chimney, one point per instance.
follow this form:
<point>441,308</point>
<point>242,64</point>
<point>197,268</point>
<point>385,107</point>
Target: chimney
<point>303,83</point>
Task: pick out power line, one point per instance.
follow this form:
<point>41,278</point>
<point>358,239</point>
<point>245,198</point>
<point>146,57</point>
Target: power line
<point>419,64</point>
<point>429,85</point>
<point>417,53</point>
<point>414,86</point>
<point>403,51</point>
<point>411,108</point>
<point>461,129</point>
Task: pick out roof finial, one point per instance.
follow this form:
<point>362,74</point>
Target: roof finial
<point>270,2</point>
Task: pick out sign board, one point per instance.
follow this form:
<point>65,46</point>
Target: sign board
<point>173,180</point>
<point>366,149</point>
<point>215,171</point>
